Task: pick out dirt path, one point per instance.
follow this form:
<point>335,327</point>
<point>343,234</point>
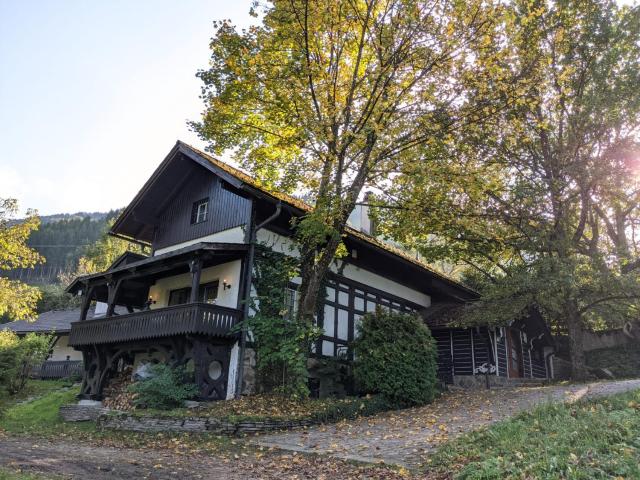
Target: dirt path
<point>403,437</point>
<point>74,460</point>
<point>407,437</point>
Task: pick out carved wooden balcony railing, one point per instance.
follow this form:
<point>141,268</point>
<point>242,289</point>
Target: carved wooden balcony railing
<point>190,318</point>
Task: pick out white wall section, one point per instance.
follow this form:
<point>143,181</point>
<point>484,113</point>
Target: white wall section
<point>230,272</point>
<point>233,235</point>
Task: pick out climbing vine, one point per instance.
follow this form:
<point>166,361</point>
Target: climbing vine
<point>282,344</point>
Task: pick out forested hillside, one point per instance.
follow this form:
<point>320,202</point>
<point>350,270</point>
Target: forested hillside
<point>62,239</point>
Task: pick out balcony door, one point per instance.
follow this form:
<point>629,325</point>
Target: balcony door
<point>207,293</point>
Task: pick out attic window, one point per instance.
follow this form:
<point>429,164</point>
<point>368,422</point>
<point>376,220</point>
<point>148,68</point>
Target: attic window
<point>199,211</point>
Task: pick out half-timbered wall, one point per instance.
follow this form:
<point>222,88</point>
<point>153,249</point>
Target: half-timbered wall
<point>345,304</point>
<point>226,210</point>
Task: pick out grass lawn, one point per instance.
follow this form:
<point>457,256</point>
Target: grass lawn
<point>6,474</point>
<point>39,417</point>
<point>595,439</point>
<point>34,388</point>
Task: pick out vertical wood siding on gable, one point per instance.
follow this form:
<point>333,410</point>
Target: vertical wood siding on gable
<point>226,210</point>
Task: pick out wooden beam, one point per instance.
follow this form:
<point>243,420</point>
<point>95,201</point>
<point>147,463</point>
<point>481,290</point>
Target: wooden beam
<point>114,288</point>
<point>195,267</point>
<point>86,303</point>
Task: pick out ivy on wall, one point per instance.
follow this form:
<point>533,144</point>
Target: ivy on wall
<point>282,344</point>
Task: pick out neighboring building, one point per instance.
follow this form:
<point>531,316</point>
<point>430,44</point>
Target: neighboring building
<point>63,360</point>
<point>199,216</point>
<point>57,322</point>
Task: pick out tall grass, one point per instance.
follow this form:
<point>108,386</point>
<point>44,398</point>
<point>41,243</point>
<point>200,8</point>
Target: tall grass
<point>595,439</point>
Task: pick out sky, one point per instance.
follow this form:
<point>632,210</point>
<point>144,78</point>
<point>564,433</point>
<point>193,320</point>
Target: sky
<point>94,94</point>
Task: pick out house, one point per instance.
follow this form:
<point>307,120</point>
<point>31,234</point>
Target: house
<point>201,219</point>
<point>63,360</point>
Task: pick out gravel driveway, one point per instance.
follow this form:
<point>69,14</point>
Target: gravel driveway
<point>406,437</point>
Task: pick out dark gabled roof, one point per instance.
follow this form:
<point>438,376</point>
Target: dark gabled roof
<point>126,258</point>
<point>441,315</point>
<point>58,321</point>
<point>448,314</point>
<point>241,180</point>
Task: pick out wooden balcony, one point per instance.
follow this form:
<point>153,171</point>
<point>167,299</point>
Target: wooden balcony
<point>190,318</point>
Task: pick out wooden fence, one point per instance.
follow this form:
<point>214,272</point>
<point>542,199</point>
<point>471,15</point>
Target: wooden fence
<point>57,369</point>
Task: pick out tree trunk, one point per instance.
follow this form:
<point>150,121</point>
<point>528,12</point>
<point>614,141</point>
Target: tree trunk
<point>312,277</point>
<point>576,343</point>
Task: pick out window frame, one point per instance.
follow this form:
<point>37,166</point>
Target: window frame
<point>368,295</point>
<point>200,208</point>
<point>202,289</point>
<point>290,293</point>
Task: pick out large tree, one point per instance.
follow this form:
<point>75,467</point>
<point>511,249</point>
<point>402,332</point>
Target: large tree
<point>17,300</point>
<point>328,97</point>
<point>542,201</point>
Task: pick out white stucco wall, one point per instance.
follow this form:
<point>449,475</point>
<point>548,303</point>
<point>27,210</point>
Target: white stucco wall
<point>62,350</point>
<point>285,245</point>
<point>279,243</point>
<point>233,235</point>
<point>230,272</point>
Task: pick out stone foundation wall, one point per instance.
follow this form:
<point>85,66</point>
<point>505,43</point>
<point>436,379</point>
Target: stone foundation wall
<point>125,421</point>
<point>249,372</point>
<point>475,382</point>
<point>81,413</point>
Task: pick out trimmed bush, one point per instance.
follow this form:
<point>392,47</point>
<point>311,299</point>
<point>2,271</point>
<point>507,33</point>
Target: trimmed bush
<point>396,357</point>
<point>165,388</point>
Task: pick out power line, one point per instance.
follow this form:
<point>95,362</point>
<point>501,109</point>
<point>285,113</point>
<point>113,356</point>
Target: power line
<point>57,246</point>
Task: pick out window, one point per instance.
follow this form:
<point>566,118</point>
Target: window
<point>207,293</point>
<point>342,312</point>
<point>199,211</point>
<point>290,303</point>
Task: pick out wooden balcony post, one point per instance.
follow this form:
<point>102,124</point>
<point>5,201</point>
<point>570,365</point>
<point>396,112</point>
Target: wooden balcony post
<point>195,267</point>
<point>86,303</point>
<point>113,287</point>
